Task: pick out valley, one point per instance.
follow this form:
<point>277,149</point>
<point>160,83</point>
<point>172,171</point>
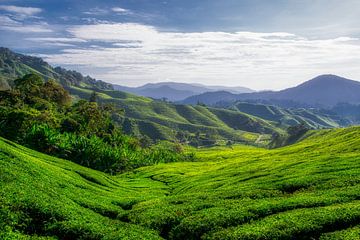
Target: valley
<point>115,165</point>
<point>179,120</point>
<point>309,189</point>
<point>163,120</point>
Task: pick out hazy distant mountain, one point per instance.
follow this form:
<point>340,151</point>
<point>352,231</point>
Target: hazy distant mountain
<point>322,91</point>
<point>177,91</point>
<point>163,120</point>
<point>234,90</point>
<point>211,98</point>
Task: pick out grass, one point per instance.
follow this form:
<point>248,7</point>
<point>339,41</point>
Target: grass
<point>47,197</point>
<point>247,123</point>
<point>313,118</point>
<point>162,120</point>
<point>309,190</point>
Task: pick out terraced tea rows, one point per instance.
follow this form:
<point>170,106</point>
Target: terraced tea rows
<point>309,190</point>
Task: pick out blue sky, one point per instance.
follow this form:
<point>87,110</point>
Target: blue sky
<point>256,43</point>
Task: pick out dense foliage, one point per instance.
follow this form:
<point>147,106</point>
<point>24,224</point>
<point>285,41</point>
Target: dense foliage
<point>40,115</point>
<point>293,134</point>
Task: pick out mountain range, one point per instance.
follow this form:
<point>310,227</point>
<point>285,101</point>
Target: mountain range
<point>164,120</point>
<point>324,91</point>
<point>174,91</point>
<point>159,120</point>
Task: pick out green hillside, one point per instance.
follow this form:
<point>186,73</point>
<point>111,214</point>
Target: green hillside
<point>144,116</point>
<point>14,65</point>
<point>309,190</point>
<point>163,120</point>
<point>159,120</point>
<point>290,117</point>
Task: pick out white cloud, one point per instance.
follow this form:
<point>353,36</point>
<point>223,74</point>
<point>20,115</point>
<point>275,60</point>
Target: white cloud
<point>56,39</point>
<point>27,29</point>
<point>13,20</point>
<point>9,24</point>
<point>113,32</point>
<point>96,11</point>
<point>21,10</point>
<point>141,53</point>
<point>120,10</point>
<point>104,11</point>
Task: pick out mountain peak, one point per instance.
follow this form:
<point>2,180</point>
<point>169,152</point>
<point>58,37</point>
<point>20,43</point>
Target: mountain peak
<point>322,91</point>
<point>328,81</point>
<point>330,78</point>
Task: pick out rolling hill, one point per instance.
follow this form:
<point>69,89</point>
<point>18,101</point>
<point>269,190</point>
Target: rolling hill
<point>177,91</point>
<point>240,122</point>
<point>314,118</point>
<point>309,190</point>
<point>160,120</point>
<point>324,91</point>
<point>164,120</point>
<point>157,119</point>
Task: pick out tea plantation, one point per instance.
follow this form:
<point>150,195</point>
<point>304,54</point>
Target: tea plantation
<point>309,190</point>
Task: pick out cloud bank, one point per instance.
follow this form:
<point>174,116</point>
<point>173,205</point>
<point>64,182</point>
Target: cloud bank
<point>131,53</point>
<point>13,19</point>
<point>21,10</point>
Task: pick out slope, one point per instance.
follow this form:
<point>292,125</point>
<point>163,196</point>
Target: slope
<point>49,198</point>
<point>163,120</point>
<point>14,65</point>
<point>309,190</point>
<point>289,117</point>
<point>157,119</point>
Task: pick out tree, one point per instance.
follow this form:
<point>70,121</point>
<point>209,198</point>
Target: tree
<point>209,140</point>
<point>298,130</point>
<point>28,82</point>
<point>93,97</point>
<point>201,104</point>
<point>29,87</point>
<point>128,126</point>
<point>4,85</point>
<point>145,141</point>
<point>182,136</point>
<point>54,92</point>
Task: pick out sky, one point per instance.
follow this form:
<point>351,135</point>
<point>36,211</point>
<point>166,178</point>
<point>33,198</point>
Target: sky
<point>258,44</point>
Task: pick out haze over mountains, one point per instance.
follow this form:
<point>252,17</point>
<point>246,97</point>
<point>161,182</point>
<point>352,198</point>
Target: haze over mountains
<point>174,91</point>
<point>324,91</point>
<point>162,118</point>
<point>165,120</point>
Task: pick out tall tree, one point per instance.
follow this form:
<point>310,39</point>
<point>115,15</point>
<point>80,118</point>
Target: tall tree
<point>93,97</point>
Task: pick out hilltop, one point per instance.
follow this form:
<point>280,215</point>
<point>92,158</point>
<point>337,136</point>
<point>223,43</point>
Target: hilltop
<point>14,65</point>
